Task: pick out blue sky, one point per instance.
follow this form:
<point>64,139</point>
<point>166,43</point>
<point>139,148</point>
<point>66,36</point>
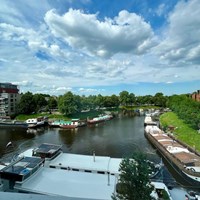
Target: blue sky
<point>101,46</point>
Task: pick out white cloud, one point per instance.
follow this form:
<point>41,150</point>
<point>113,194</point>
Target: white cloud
<point>127,32</point>
<point>181,37</point>
<point>64,89</point>
<point>161,9</point>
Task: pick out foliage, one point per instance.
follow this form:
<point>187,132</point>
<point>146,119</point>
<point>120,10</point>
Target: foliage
<point>27,104</point>
<point>186,108</point>
<point>182,131</point>
<point>70,104</point>
<point>40,101</point>
<point>160,100</point>
<point>126,99</point>
<point>67,104</point>
<point>52,103</point>
<point>134,182</point>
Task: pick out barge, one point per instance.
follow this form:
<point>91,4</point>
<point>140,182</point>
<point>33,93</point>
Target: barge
<point>100,119</point>
<point>185,161</point>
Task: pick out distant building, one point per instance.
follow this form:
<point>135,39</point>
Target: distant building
<point>196,95</point>
<point>9,97</point>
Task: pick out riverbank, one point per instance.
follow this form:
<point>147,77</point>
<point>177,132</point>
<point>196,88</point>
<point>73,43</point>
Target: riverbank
<point>181,131</point>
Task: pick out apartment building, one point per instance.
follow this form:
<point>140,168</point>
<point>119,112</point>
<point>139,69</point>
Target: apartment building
<point>196,95</point>
<point>9,97</point>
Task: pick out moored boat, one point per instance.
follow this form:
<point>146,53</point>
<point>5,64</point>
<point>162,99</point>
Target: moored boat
<point>184,160</point>
<point>37,122</point>
<point>13,123</point>
<point>101,118</point>
<point>95,176</point>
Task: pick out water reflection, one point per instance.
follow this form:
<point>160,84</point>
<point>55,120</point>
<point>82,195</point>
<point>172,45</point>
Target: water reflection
<point>67,136</point>
<point>119,137</point>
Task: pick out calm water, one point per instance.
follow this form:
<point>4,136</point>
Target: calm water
<point>117,138</point>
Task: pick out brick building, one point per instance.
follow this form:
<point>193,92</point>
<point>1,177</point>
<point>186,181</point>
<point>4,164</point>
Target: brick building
<point>9,97</point>
<point>196,96</point>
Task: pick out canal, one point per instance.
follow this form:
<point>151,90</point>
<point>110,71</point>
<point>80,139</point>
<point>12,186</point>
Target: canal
<point>119,137</point>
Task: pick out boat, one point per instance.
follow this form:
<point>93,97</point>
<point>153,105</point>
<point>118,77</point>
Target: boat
<point>148,121</point>
<point>13,123</point>
<point>56,123</point>
<point>37,122</point>
<point>69,125</point>
<point>181,157</point>
<point>99,119</point>
<point>74,176</point>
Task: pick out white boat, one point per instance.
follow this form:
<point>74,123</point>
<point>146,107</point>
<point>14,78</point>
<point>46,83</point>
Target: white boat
<point>37,122</point>
<point>74,176</point>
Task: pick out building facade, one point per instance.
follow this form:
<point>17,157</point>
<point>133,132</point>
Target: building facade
<point>9,97</point>
<point>196,96</point>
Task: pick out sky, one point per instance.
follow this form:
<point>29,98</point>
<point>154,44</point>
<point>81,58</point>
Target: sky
<point>92,47</point>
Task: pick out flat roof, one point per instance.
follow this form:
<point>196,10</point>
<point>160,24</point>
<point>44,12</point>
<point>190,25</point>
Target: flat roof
<point>69,184</point>
<point>47,148</point>
<point>86,162</point>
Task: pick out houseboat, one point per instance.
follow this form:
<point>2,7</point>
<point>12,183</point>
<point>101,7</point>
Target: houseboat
<point>37,122</point>
<point>148,120</point>
<point>13,123</point>
<point>47,170</point>
<point>182,158</point>
<point>99,119</point>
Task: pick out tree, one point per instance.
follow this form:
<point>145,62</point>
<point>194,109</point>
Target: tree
<point>40,101</point>
<point>160,100</point>
<point>131,98</point>
<point>124,98</point>
<point>68,104</point>
<point>27,105</point>
<point>134,182</point>
<point>52,103</point>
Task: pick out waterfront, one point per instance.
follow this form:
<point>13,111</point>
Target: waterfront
<point>116,138</point>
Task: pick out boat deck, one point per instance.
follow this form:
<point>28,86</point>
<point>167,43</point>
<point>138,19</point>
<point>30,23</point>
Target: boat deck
<point>180,152</point>
<point>69,184</point>
<point>76,162</point>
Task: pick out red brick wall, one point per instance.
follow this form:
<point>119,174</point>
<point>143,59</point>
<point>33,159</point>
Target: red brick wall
<point>196,96</point>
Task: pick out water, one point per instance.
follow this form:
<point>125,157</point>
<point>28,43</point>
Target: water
<point>119,137</point>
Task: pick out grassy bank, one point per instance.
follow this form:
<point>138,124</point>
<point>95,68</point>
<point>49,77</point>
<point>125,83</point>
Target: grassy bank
<point>182,131</point>
<point>139,107</point>
<point>50,116</point>
<point>83,115</point>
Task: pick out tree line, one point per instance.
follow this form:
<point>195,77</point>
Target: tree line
<point>70,103</point>
<point>186,108</point>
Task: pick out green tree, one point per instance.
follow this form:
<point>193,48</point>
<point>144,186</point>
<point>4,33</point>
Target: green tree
<point>134,182</point>
<point>132,98</point>
<point>67,104</point>
<point>52,103</point>
<point>160,100</point>
<point>40,101</point>
<point>124,98</point>
<point>27,105</point>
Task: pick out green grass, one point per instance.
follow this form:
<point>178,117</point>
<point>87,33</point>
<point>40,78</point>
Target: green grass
<point>138,107</point>
<point>90,114</point>
<point>51,116</point>
<point>182,132</point>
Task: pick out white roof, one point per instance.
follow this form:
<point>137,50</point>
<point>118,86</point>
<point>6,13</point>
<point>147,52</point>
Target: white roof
<point>114,165</point>
<point>86,162</point>
<point>2,166</point>
<point>69,184</point>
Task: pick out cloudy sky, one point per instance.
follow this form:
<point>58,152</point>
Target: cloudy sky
<point>101,46</point>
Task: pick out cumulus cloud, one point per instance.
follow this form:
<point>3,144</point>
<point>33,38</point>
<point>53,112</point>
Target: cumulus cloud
<point>181,37</point>
<point>127,32</point>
